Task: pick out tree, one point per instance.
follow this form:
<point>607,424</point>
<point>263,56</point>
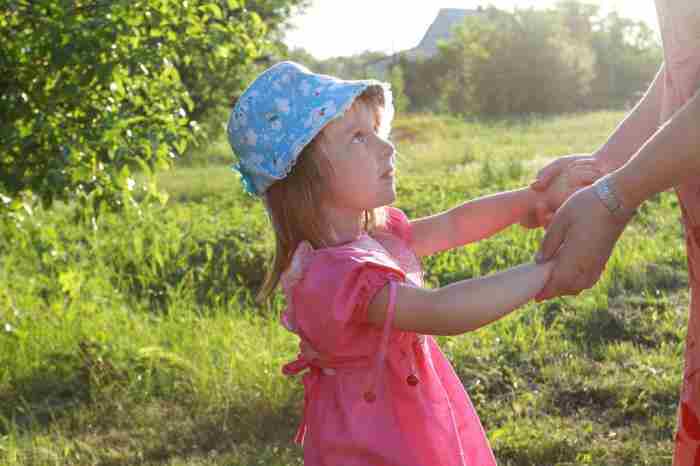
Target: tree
<point>503,63</point>
<point>579,18</point>
<point>90,88</point>
<point>206,70</point>
<point>628,57</point>
<point>424,83</point>
<point>627,52</point>
<point>396,80</point>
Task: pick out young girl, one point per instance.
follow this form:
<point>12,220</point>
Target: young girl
<point>377,389</point>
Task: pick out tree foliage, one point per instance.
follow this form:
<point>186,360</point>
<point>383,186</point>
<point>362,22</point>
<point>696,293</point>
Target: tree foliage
<point>562,59</point>
<point>628,57</point>
<point>356,66</point>
<point>398,88</point>
<point>208,76</point>
<point>92,88</point>
<point>516,63</point>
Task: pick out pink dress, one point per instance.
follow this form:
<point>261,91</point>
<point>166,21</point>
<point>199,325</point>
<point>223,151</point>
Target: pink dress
<point>373,396</point>
<point>680,27</point>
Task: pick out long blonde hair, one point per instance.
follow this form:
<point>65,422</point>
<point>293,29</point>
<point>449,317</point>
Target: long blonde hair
<point>294,203</point>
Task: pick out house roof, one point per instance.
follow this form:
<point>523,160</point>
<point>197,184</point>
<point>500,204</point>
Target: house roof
<point>440,29</point>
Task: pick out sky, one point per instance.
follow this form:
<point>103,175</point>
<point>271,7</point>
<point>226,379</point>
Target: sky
<point>347,27</point>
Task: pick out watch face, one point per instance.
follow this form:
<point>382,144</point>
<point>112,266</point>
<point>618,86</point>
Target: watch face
<point>606,197</point>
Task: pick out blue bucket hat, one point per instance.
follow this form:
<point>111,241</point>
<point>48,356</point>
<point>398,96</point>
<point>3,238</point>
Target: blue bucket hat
<point>284,108</point>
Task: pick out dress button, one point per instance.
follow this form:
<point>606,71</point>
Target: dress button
<point>412,380</point>
<point>369,397</point>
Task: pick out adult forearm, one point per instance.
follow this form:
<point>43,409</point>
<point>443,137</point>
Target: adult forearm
<point>639,125</point>
<point>671,157</point>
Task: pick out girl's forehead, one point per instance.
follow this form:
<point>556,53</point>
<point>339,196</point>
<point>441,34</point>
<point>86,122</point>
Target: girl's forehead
<point>358,114</point>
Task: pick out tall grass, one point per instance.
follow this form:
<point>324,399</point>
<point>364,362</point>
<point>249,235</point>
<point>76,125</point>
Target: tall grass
<point>133,338</point>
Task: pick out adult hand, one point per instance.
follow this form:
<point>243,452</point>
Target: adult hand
<point>555,182</point>
<point>554,168</point>
<point>579,239</point>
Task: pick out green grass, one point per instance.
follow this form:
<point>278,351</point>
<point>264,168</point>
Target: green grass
<point>133,339</point>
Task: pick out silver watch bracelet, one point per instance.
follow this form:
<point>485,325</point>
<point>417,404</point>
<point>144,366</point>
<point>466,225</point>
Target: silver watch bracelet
<point>605,190</point>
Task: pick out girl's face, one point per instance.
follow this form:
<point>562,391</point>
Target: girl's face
<point>361,162</point>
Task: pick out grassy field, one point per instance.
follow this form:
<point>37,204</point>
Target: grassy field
<point>132,338</point>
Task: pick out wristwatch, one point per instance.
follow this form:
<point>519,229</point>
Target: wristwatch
<point>607,195</point>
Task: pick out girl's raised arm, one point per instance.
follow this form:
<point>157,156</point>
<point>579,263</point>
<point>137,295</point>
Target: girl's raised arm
<point>472,221</point>
<point>462,306</point>
<point>484,217</point>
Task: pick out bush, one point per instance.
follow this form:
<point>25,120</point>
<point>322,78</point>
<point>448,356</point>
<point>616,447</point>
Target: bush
<point>91,89</point>
<point>525,62</point>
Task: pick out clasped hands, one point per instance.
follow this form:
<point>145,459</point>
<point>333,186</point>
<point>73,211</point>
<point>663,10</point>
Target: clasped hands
<point>581,232</point>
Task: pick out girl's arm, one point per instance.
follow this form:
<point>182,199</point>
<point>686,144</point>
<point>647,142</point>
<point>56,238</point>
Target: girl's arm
<point>462,306</point>
<point>471,221</point>
<point>486,216</point>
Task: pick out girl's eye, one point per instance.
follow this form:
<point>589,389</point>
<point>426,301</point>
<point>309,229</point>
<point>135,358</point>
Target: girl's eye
<point>359,138</point>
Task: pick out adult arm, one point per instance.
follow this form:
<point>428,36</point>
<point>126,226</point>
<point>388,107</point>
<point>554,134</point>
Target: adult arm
<point>583,232</point>
<point>670,158</point>
<point>641,123</point>
<point>629,136</point>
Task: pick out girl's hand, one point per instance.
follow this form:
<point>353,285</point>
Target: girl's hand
<point>539,216</point>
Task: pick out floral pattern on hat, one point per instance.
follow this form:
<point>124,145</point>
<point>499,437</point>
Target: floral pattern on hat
<point>281,112</point>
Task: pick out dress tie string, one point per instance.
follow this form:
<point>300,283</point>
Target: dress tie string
<point>309,359</point>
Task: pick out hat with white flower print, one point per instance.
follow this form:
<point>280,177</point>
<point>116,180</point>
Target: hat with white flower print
<point>282,111</point>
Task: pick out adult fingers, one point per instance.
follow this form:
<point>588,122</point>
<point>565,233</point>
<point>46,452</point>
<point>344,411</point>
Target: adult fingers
<point>588,161</point>
<point>555,289</point>
<point>553,238</point>
<point>547,174</point>
<point>553,284</point>
<point>583,177</point>
<point>565,278</point>
<point>588,164</point>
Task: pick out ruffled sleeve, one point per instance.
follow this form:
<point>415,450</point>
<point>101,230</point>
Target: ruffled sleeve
<point>332,297</point>
<point>398,224</point>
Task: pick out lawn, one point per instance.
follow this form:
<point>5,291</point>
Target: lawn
<point>132,337</point>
